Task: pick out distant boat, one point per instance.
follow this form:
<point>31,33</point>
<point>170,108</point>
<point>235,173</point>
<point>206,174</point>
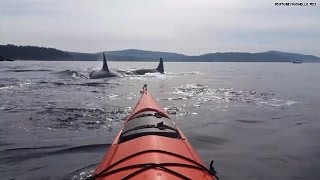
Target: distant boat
<point>297,62</point>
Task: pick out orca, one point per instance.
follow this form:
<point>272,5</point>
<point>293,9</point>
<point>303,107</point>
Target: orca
<point>104,72</point>
<point>159,69</point>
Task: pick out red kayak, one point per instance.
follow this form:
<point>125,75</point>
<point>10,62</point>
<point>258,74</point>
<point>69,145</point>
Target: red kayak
<point>150,146</point>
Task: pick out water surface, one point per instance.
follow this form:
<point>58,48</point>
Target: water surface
<point>256,120</point>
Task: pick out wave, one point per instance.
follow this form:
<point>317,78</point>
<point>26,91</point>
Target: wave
<point>33,148</point>
<point>72,73</point>
<point>203,93</point>
<point>249,121</point>
<point>66,83</point>
<point>176,111</point>
<point>145,77</point>
<point>25,153</point>
<point>83,173</point>
<point>130,76</point>
<point>80,118</point>
<point>83,148</point>
<point>13,86</point>
<point>28,70</point>
<point>277,102</point>
<point>36,84</point>
<point>184,73</point>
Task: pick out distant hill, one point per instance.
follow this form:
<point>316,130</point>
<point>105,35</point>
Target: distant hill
<point>295,56</point>
<point>270,56</point>
<point>32,53</point>
<point>42,53</point>
<point>76,56</point>
<point>141,55</point>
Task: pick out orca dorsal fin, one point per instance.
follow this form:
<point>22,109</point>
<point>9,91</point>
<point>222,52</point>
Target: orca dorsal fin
<point>105,65</point>
<point>160,66</point>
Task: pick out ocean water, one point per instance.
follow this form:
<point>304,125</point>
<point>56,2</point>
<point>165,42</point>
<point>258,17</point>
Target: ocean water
<point>255,120</point>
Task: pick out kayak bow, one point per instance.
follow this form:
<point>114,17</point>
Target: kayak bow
<point>151,146</point>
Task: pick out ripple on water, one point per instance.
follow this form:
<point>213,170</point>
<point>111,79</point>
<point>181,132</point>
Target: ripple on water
<point>176,111</point>
<point>83,173</point>
<point>12,86</point>
<point>249,121</point>
<point>79,118</point>
<point>28,70</point>
<point>203,93</point>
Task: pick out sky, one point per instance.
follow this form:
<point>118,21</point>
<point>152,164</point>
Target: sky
<point>191,27</point>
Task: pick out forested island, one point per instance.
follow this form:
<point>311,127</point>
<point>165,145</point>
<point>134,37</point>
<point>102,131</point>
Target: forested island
<point>13,52</point>
<point>32,53</point>
<point>5,59</point>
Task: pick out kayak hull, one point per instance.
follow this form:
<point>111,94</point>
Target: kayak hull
<point>118,152</point>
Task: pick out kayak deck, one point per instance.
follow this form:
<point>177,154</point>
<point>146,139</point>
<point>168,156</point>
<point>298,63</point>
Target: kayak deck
<point>151,146</point>
<point>148,123</point>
